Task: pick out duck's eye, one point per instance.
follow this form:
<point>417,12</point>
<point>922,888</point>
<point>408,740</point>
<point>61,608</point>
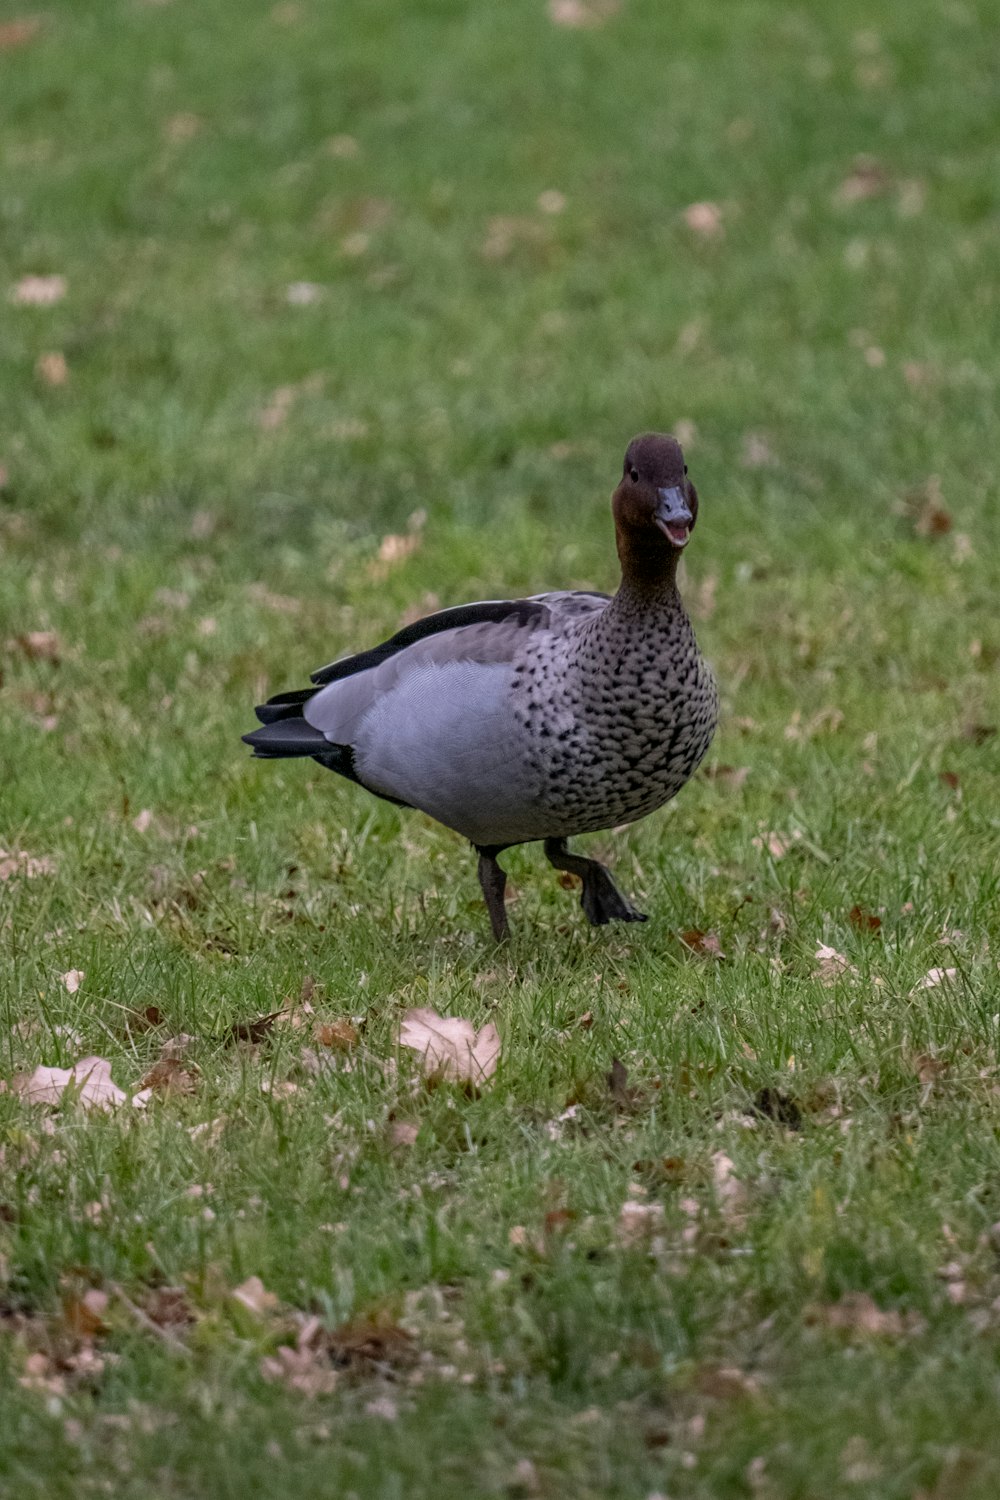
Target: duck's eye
<point>633,474</point>
<point>685,468</point>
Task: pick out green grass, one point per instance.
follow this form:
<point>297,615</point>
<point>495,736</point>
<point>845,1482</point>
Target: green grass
<point>473,357</point>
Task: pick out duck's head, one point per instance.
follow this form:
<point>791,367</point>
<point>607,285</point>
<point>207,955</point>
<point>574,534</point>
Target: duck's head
<point>655,499</point>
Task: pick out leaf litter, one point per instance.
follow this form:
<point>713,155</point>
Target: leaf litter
<point>450,1047</point>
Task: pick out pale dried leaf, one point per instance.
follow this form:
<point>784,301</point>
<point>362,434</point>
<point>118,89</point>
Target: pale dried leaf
<point>935,977</point>
<point>858,1313</point>
<point>580,15</point>
<point>450,1047</point>
<point>637,1222</point>
<point>704,219</point>
<point>72,980</point>
<point>52,368</point>
<point>87,1082</point>
<point>38,291</point>
<point>255,1298</point>
<point>831,965</point>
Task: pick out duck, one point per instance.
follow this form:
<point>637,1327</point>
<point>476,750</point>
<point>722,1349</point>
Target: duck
<point>515,721</point>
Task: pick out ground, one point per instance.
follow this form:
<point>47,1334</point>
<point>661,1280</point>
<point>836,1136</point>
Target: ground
<point>315,317</point>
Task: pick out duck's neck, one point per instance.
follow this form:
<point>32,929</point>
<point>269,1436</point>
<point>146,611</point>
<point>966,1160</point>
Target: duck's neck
<point>649,575</point>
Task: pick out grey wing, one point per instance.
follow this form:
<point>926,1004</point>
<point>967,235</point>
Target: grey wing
<point>433,724</point>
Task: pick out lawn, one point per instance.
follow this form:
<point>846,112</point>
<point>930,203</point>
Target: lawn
<point>316,317</point>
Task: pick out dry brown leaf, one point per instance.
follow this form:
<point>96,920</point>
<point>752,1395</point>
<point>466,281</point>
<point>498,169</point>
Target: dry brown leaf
<point>450,1047</point>
<point>19,32</point>
<point>52,368</point>
<point>366,1344</point>
<point>72,980</point>
<point>83,1312</point>
<point>87,1082</point>
<point>340,1035</point>
<point>706,944</point>
<point>38,291</point>
<point>38,645</point>
<point>170,1076</point>
<point>728,776</point>
<point>862,920</point>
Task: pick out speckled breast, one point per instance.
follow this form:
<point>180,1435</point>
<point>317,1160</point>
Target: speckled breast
<point>617,724</point>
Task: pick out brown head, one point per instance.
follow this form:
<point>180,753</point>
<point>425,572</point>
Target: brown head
<point>655,507</point>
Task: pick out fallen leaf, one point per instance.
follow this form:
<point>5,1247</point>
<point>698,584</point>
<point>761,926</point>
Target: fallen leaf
<point>582,14</point>
<point>866,179</point>
<point>755,452</point>
<point>776,844</point>
<point>52,368</point>
<point>72,980</point>
<point>83,1312</point>
<point>364,1344</point>
<point>450,1047</point>
<point>343,147</point>
<point>254,1298</point>
<point>251,1031</point>
<point>87,1082</point>
<point>393,550</point>
<point>935,977</point>
<point>341,1036</point>
<point>704,219</point>
<point>551,201</point>
<point>170,1076</point>
<point>831,965</point>
<point>706,944</point>
<point>38,291</point>
<point>637,1222</point>
<point>779,1107</point>
<point>618,1087</point>
<point>403,1134</point>
<point>181,127</point>
<point>303,293</point>
<point>306,1371</point>
<point>19,32</point>
<point>726,1382</point>
<point>38,645</point>
<point>858,1313</point>
<point>732,776</point>
<point>862,920</point>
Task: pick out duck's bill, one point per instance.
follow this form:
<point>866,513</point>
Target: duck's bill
<point>673,516</point>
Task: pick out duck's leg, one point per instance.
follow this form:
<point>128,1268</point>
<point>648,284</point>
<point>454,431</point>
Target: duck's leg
<point>494,882</point>
<point>600,898</point>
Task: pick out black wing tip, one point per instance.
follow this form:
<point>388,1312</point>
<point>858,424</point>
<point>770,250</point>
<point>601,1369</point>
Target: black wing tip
<point>286,737</point>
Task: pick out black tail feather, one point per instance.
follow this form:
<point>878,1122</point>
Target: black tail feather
<point>287,737</point>
<point>284,705</point>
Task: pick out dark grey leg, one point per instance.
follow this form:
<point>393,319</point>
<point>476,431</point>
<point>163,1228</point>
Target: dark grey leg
<point>600,898</point>
<point>494,881</point>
